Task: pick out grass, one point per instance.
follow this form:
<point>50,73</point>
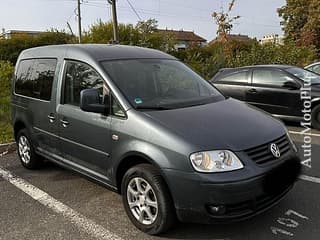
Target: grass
<point>6,132</point>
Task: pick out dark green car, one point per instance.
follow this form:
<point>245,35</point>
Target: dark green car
<point>146,126</point>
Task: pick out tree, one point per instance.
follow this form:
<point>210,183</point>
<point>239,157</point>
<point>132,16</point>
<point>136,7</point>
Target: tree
<point>102,32</point>
<point>301,22</point>
<point>152,38</point>
<point>6,74</point>
<point>144,34</point>
<point>224,21</point>
<point>11,48</point>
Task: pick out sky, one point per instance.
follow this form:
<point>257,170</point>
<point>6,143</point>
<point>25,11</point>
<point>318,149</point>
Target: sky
<point>257,17</point>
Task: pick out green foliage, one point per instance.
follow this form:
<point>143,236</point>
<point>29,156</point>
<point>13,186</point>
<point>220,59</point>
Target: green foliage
<point>6,74</point>
<point>102,32</point>
<point>11,48</point>
<point>143,34</point>
<point>208,60</point>
<point>301,22</point>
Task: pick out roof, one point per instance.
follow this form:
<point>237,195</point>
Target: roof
<point>22,31</point>
<point>226,71</point>
<point>281,66</point>
<point>97,52</point>
<point>235,37</point>
<point>181,35</point>
<point>19,32</point>
<point>312,64</point>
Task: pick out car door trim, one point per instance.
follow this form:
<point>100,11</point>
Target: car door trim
<point>46,132</point>
<point>84,146</point>
<point>73,142</point>
<point>74,166</point>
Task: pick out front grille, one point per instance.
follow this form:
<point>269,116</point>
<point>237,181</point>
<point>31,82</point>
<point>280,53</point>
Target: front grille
<point>262,153</point>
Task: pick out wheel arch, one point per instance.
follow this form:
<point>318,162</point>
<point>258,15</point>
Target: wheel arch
<point>18,125</point>
<point>315,102</point>
<point>130,160</point>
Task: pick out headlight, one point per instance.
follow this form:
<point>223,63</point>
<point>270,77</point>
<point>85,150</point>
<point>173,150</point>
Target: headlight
<point>291,141</point>
<point>215,161</point>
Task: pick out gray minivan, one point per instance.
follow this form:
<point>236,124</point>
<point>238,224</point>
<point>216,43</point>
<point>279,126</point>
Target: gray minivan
<point>146,126</point>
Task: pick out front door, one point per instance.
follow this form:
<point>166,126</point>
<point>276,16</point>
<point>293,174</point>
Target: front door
<point>85,137</point>
<point>269,92</point>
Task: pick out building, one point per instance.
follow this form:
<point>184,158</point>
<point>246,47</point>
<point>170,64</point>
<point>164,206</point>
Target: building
<point>272,39</point>
<point>13,33</point>
<point>231,37</point>
<point>185,39</point>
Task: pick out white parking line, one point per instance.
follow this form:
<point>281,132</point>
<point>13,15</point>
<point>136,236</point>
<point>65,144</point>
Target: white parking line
<point>299,133</point>
<point>310,179</point>
<point>81,222</point>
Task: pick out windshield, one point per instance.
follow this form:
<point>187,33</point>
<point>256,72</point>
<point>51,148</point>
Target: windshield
<point>160,83</point>
<point>305,75</point>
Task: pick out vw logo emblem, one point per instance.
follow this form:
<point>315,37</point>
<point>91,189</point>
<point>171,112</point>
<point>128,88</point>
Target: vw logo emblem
<point>275,150</point>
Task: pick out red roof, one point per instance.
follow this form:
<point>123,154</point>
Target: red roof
<point>184,35</point>
<point>234,37</point>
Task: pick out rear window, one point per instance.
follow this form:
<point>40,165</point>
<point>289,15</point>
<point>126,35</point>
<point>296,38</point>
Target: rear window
<point>35,77</point>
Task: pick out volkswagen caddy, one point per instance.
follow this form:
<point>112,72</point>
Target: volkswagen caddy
<point>146,126</point>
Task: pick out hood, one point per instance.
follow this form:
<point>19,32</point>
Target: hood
<point>228,124</point>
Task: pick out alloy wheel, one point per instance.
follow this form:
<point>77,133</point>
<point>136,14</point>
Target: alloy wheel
<point>24,149</point>
<point>142,200</point>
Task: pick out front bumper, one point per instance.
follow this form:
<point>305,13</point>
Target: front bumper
<point>239,195</point>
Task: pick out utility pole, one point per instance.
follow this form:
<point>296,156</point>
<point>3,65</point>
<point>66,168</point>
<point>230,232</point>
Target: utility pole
<point>79,20</point>
<point>115,21</point>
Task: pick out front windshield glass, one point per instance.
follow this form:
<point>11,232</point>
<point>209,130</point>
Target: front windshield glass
<point>305,75</point>
<point>160,83</point>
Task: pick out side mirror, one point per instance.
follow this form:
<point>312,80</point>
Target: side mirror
<point>291,85</point>
<point>90,101</point>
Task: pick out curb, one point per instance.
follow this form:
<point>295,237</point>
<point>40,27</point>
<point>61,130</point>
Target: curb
<point>7,148</point>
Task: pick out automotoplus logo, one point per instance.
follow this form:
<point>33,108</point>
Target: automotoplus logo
<point>305,94</point>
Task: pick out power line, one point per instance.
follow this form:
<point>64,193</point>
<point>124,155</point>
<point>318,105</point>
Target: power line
<point>134,10</point>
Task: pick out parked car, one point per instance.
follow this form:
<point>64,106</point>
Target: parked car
<point>272,88</point>
<point>314,67</point>
<point>146,126</point>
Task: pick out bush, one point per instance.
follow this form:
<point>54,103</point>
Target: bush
<point>6,74</point>
<point>208,60</point>
<point>11,48</point>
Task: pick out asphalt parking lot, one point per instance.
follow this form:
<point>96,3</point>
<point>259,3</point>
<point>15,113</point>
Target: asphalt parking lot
<point>54,203</point>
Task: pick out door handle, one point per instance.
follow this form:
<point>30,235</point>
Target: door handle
<point>51,118</point>
<point>64,123</point>
<point>252,90</point>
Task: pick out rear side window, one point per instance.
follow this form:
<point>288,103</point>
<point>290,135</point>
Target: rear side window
<point>239,77</point>
<point>35,77</point>
<point>270,77</point>
<point>316,68</point>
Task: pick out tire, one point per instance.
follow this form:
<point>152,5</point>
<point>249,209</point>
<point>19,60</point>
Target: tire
<point>315,117</point>
<point>157,200</point>
<point>29,159</point>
